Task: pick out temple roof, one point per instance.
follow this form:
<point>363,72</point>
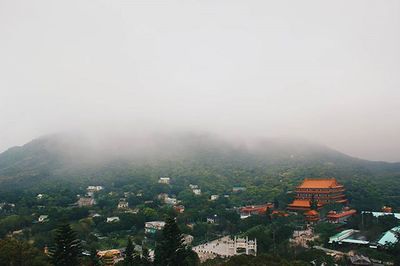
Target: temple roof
<point>319,183</point>
<point>301,203</point>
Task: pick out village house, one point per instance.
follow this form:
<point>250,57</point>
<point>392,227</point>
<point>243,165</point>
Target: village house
<point>86,202</point>
<point>164,180</point>
<point>179,208</point>
<point>214,197</point>
<point>153,227</point>
<point>113,219</point>
<point>123,204</point>
<point>197,191</point>
<point>43,218</point>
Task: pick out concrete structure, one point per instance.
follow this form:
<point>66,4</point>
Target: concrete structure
<point>226,247</point>
<point>323,191</point>
<point>153,227</point>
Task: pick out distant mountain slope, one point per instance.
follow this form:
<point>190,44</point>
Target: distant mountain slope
<point>71,154</point>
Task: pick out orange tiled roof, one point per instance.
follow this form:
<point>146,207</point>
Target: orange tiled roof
<point>301,203</point>
<point>311,213</point>
<point>319,183</point>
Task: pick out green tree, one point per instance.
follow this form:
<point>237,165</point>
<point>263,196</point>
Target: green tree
<point>67,250</point>
<point>170,250</point>
<point>129,253</point>
<point>14,252</point>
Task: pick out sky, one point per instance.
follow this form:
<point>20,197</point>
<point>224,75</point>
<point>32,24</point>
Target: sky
<point>326,71</point>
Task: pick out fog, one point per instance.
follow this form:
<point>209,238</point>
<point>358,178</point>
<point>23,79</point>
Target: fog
<point>324,71</point>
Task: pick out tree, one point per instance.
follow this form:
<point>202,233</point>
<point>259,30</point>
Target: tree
<point>67,250</point>
<point>145,257</point>
<point>170,250</point>
<point>129,253</point>
<point>15,252</point>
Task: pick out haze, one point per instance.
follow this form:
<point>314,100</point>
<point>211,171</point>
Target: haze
<point>326,71</point>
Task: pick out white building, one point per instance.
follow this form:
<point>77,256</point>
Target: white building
<point>164,180</point>
<point>193,186</point>
<point>39,196</point>
<point>43,218</point>
<point>197,191</point>
<point>226,247</point>
<point>170,201</point>
<point>214,197</point>
<point>94,188</point>
<point>113,219</point>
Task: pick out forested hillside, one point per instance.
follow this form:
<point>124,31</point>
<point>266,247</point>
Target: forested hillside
<point>274,165</point>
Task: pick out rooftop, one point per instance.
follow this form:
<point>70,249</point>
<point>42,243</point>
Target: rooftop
<point>319,183</point>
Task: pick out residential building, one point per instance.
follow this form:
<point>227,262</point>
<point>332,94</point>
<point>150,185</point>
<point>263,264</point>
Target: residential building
<point>86,202</point>
<point>214,197</point>
<point>164,180</point>
<point>123,204</point>
<point>113,219</point>
<point>197,191</point>
<point>179,208</point>
<point>153,227</point>
<point>43,218</point>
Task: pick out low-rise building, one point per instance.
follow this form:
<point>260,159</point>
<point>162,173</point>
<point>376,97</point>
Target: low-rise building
<point>247,211</point>
<point>197,191</point>
<point>340,217</point>
<point>123,204</point>
<point>164,180</point>
<point>214,197</point>
<point>311,216</point>
<point>43,218</point>
<point>113,219</point>
<point>153,227</point>
<point>86,202</point>
<point>179,208</point>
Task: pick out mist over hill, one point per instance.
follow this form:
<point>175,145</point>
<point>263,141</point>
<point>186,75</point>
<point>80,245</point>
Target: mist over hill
<point>76,154</point>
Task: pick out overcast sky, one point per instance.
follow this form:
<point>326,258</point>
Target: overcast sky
<point>328,71</point>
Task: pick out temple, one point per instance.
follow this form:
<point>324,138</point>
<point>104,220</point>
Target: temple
<point>323,191</point>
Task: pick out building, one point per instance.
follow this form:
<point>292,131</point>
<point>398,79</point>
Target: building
<point>340,217</point>
<point>197,191</point>
<point>377,214</point>
<point>113,219</point>
<point>43,218</point>
<point>349,236</point>
<point>123,204</point>
<point>323,191</point>
<point>311,216</point>
<point>86,202</point>
<point>164,180</point>
<point>187,239</point>
<point>39,196</point>
<point>238,189</point>
<point>170,201</point>
<point>179,208</point>
<point>214,197</point>
<point>359,260</point>
<point>247,211</point>
<point>389,237</point>
<point>226,247</point>
<point>153,227</point>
